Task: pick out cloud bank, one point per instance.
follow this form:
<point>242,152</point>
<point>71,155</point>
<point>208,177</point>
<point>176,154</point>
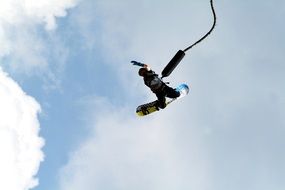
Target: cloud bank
<point>25,48</point>
<point>20,143</point>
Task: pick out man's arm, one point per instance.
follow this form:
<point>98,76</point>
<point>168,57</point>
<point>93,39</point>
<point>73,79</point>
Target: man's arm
<point>141,65</point>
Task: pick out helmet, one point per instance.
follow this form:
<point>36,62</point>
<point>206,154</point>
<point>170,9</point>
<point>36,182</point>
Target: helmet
<point>142,71</point>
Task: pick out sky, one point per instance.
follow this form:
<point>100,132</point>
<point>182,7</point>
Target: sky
<point>68,95</point>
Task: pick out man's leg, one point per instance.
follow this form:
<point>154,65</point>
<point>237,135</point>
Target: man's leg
<point>160,102</point>
<point>171,92</point>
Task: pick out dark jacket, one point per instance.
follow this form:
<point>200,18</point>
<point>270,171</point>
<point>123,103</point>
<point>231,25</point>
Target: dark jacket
<point>152,80</point>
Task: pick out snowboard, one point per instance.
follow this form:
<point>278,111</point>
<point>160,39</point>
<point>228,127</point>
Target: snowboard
<point>149,108</point>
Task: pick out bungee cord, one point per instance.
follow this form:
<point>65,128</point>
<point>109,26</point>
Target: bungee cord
<point>208,33</point>
<point>180,54</point>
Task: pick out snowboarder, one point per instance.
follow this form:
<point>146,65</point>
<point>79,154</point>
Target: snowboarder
<point>156,85</point>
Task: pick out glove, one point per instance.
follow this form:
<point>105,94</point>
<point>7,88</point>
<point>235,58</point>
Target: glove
<point>137,63</point>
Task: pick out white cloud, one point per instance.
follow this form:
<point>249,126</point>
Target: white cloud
<point>16,12</point>
<point>24,49</point>
<point>127,153</point>
<point>47,11</point>
<point>20,37</point>
<point>20,143</point>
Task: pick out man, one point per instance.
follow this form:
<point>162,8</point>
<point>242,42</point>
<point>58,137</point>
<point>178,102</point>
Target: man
<point>156,85</point>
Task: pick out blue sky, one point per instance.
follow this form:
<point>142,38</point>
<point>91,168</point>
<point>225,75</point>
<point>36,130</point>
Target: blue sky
<point>69,94</point>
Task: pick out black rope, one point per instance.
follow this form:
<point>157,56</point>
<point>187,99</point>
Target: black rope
<point>214,24</point>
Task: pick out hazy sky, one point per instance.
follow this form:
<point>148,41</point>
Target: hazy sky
<point>68,95</point>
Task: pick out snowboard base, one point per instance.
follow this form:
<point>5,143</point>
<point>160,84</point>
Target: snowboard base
<point>151,107</point>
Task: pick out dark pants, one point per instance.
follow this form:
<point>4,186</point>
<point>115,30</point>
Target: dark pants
<point>165,92</point>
